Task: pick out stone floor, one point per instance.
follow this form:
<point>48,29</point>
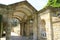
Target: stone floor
<point>17,38</point>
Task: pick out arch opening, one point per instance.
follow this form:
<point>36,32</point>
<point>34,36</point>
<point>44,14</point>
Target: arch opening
<point>43,29</point>
<point>15,29</point>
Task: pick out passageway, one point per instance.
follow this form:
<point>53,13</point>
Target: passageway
<point>18,22</point>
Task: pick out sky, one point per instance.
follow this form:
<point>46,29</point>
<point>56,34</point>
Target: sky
<point>37,4</point>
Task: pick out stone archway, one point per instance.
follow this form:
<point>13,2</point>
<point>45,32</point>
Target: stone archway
<point>22,11</point>
<point>15,27</point>
<point>19,18</point>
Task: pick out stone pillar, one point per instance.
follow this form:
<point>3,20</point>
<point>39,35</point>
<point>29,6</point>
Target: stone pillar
<point>1,26</point>
<point>49,27</point>
<point>8,30</point>
<point>51,24</point>
<point>27,29</point>
<point>35,25</point>
<point>8,27</point>
<point>22,28</point>
<point>39,27</point>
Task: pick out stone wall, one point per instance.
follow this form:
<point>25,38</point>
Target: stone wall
<point>56,28</point>
<point>47,32</point>
<point>52,25</point>
<point>56,31</point>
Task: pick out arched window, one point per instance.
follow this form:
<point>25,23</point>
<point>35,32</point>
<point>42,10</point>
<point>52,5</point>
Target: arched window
<point>43,29</point>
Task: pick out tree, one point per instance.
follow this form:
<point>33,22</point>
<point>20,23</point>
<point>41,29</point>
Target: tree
<point>54,3</point>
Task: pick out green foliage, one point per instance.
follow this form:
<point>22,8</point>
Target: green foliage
<point>54,3</point>
<point>58,1</point>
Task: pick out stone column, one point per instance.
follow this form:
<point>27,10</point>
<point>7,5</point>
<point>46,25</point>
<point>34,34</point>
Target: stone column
<point>22,28</point>
<point>8,27</point>
<point>51,25</point>
<point>27,28</point>
<point>35,25</point>
<point>8,30</point>
<point>1,26</point>
<point>39,29</point>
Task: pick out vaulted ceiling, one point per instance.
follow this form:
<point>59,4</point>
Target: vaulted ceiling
<point>21,10</point>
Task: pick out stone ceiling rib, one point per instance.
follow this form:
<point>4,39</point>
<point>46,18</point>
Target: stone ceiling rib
<point>23,7</point>
<point>25,10</point>
<point>18,17</point>
<point>21,12</point>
